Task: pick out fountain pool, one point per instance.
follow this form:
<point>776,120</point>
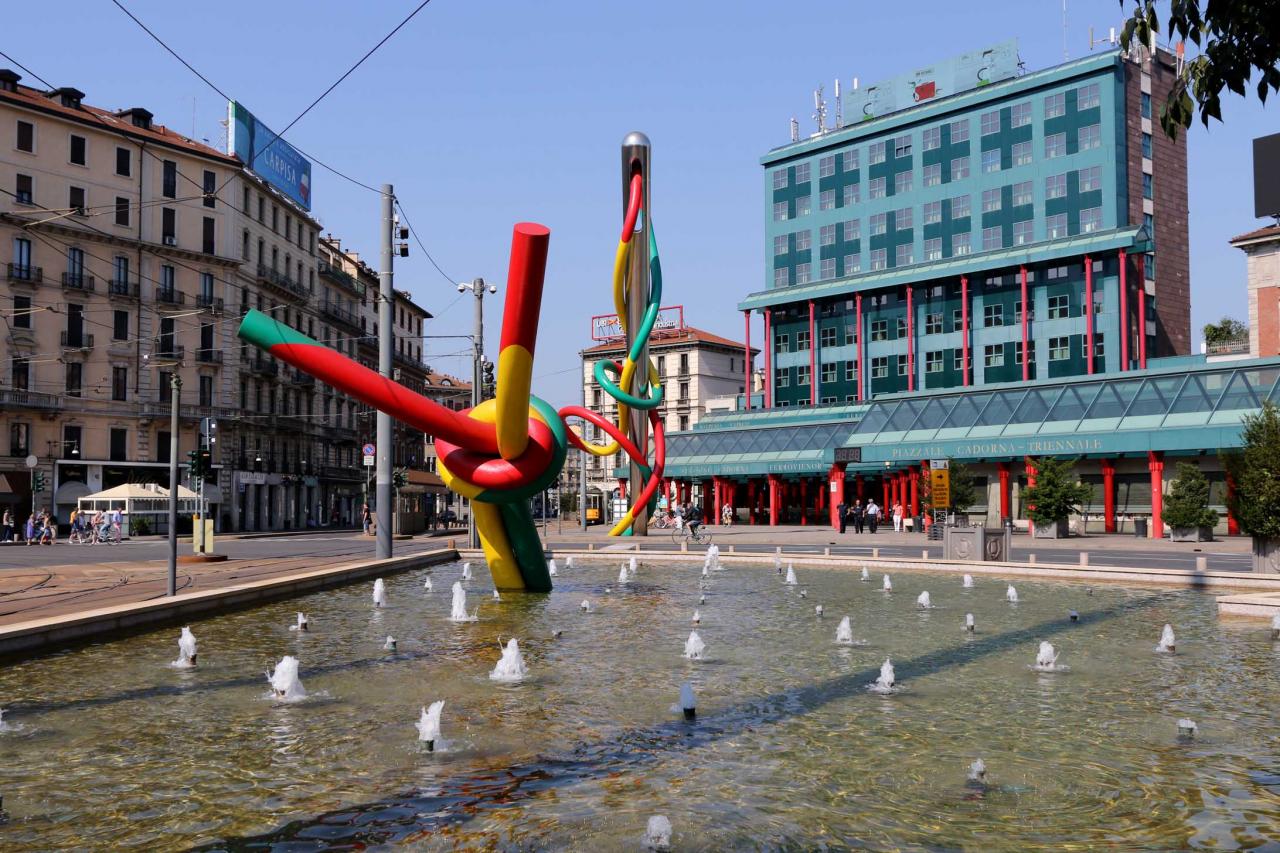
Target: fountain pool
<point>108,747</point>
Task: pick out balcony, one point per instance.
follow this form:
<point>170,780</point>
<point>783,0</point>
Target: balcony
<point>26,274</point>
<point>302,380</point>
<point>209,356</point>
<point>170,296</point>
<point>30,400</point>
<point>264,367</point>
<point>210,303</point>
<point>334,311</point>
<point>344,278</point>
<point>1229,346</point>
<point>408,361</point>
<point>281,282</point>
<point>167,352</point>
<point>121,289</point>
<point>77,281</point>
<point>76,341</point>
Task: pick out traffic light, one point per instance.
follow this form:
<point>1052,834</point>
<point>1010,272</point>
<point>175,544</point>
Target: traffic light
<point>205,457</point>
<point>37,482</point>
<point>193,464</point>
<point>488,386</point>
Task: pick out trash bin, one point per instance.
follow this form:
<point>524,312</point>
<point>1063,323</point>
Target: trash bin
<point>1140,528</point>
<point>917,524</point>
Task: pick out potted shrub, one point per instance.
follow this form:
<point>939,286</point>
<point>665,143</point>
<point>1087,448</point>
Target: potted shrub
<point>1054,497</point>
<point>1255,470</point>
<point>1186,507</point>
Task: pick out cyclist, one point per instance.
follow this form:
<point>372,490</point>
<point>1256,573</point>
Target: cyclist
<point>693,518</point>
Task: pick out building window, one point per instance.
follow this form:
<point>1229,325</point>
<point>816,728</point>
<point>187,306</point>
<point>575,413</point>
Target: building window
<point>75,378</point>
<point>1098,348</point>
<point>119,383</point>
<point>210,189</point>
<point>930,138</point>
<point>960,243</point>
<point>850,159</point>
<point>933,362</point>
<point>783,379</point>
<point>802,341</point>
<point>803,205</point>
<point>1020,114</point>
<point>933,249</point>
<point>904,255</point>
<point>875,154</point>
<point>26,137</point>
<point>120,326</point>
<point>1055,105</point>
<point>827,336</point>
<point>1023,232</point>
<point>990,122</point>
<point>1022,194</point>
<point>802,173</point>
<point>902,218</point>
<point>1091,179</point>
<point>1087,96</point>
<point>902,182</point>
<point>932,174</point>
<point>993,315</point>
<point>168,225</point>
<point>876,189</point>
<point>782,342</point>
<point>684,423</point>
<point>991,161</point>
<point>1031,353</point>
<point>902,365</point>
<point>827,166</point>
<point>1055,145</point>
<point>780,245</point>
<point>76,200</point>
<point>802,374</point>
<point>804,239</point>
<point>781,277</point>
<point>851,229</point>
<point>1059,349</point>
<point>993,355</point>
<point>959,168</point>
<point>25,191</point>
<point>829,373</point>
<point>122,211</point>
<point>959,207</point>
<point>992,238</point>
<point>169,179</point>
<point>902,146</point>
<point>1146,105</point>
<point>1146,145</point>
<point>880,367</point>
<point>780,179</point>
<point>803,273</point>
<point>1022,153</point>
<point>1090,137</point>
<point>827,269</point>
<point>878,223</point>
<point>850,195</point>
<point>991,200</point>
<point>1055,186</point>
<point>852,264</point>
<point>827,200</point>
<point>959,131</point>
<point>879,259</point>
<point>779,211</point>
<point>1056,226</point>
<point>1147,190</point>
<point>849,372</point>
<point>207,236</point>
<point>124,162</point>
<point>933,323</point>
<point>957,359</point>
<point>1059,307</point>
<point>206,391</point>
<point>879,330</point>
<point>1017,313</point>
<point>1090,220</point>
<point>932,212</point>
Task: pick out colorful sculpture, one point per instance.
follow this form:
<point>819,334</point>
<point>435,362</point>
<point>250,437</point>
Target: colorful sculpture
<point>505,450</point>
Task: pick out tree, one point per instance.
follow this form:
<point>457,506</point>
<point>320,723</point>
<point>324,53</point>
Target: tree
<point>1225,330</point>
<point>1238,41</point>
<point>963,492</point>
<point>1056,493</point>
<point>1255,471</point>
<point>1187,504</point>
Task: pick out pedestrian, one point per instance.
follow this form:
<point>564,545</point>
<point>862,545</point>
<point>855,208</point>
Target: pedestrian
<point>873,515</point>
<point>897,517</point>
<point>859,516</point>
<point>366,519</point>
<point>6,526</point>
<point>726,515</point>
<point>31,529</point>
<point>841,510</point>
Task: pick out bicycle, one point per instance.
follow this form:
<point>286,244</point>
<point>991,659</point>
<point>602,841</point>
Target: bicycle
<point>105,533</point>
<point>80,536</point>
<point>700,536</point>
<point>662,521</point>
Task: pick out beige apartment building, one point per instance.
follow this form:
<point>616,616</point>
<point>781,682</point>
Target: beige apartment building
<point>1262,250</point>
<point>696,367</point>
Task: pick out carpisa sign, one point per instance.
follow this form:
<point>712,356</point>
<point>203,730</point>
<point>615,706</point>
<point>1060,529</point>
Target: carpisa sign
<point>268,156</point>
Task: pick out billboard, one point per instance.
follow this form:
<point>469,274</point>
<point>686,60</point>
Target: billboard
<point>268,156</point>
<point>949,77</point>
<point>607,327</point>
<point>1266,176</point>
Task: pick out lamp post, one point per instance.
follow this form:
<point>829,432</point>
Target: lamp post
<point>175,392</point>
<point>477,288</point>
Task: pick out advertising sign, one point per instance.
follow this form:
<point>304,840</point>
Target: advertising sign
<point>268,156</point>
<point>940,487</point>
<point>607,327</point>
<point>949,77</point>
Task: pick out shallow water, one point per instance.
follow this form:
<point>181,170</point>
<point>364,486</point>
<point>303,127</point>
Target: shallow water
<point>112,748</point>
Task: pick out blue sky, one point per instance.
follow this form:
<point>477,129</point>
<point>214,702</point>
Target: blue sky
<point>483,114</point>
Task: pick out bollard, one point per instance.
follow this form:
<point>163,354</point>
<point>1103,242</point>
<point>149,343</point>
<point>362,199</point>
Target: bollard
<point>826,552</point>
<point>875,553</point>
<point>924,555</point>
<point>591,546</point>
<point>1031,558</point>
<point>1084,558</point>
<point>684,547</point>
<point>1202,564</point>
<point>731,549</point>
<point>453,544</point>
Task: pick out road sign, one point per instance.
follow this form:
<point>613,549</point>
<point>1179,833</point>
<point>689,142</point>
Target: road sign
<point>940,486</point>
<point>370,461</point>
<point>935,464</point>
<point>32,461</point>
<point>369,450</point>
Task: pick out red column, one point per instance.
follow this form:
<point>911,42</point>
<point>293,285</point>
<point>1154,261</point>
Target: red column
<point>718,486</point>
<point>1006,499</point>
<point>1088,312</point>
<point>1031,469</point>
<point>622,488</point>
<point>804,498</point>
<point>773,499</point>
<point>1124,313</point>
<point>964,324</point>
<point>746,360</point>
<point>1109,495</point>
<point>911,342</point>
<point>822,498</point>
<point>1026,313</point>
<point>1142,312</point>
<point>707,492</point>
<point>857,301</point>
<point>835,485</point>
<point>860,486</point>
<point>751,501</point>
<point>1155,462</point>
<point>915,490</point>
<point>768,359</point>
<point>813,358</point>
<point>1233,525</point>
<point>887,482</point>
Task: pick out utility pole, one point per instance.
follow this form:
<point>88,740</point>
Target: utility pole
<point>386,334</point>
<point>175,392</point>
<point>477,288</point>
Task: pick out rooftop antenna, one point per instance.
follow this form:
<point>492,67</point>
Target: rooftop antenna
<point>1066,56</point>
<point>839,107</point>
<point>795,130</point>
<point>819,111</point>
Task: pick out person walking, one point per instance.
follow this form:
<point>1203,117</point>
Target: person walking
<point>859,515</point>
<point>726,515</point>
<point>31,529</point>
<point>366,518</point>
<point>873,515</point>
<point>6,526</point>
<point>897,518</point>
<point>842,510</point>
